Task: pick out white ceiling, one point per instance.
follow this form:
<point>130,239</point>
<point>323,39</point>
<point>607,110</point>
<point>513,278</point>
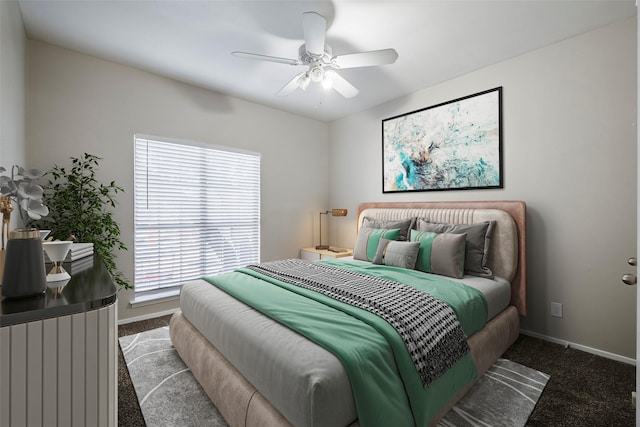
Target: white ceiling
<point>191,41</point>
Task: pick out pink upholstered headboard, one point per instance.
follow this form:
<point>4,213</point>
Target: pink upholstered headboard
<point>508,252</point>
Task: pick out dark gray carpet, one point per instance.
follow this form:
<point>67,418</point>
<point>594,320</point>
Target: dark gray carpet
<point>585,390</point>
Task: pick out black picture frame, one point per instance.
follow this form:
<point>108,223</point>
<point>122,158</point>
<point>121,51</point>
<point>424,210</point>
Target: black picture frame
<point>454,145</point>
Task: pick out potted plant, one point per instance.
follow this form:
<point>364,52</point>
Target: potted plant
<point>80,210</point>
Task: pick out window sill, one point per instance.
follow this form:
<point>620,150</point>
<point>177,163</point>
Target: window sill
<point>155,297</point>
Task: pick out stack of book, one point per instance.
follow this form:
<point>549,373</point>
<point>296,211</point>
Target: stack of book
<point>77,251</point>
<point>79,265</point>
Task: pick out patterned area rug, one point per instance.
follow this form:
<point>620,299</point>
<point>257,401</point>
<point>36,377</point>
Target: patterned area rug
<point>504,396</point>
<point>170,396</point>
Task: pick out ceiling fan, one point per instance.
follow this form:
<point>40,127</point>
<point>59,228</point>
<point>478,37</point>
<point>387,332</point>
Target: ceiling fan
<point>317,56</point>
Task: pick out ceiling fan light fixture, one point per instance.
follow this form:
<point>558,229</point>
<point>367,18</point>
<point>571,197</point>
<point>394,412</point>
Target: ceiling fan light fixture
<point>317,73</point>
<point>326,83</point>
<point>304,81</point>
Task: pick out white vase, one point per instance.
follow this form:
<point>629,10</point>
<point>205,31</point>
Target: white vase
<point>57,251</point>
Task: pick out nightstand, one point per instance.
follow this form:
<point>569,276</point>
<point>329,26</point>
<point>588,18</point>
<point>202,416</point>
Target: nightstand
<point>313,254</point>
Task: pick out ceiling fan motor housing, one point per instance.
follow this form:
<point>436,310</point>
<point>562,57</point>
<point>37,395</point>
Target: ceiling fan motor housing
<point>309,58</point>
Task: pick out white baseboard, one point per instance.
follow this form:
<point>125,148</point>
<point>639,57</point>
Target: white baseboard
<point>581,347</point>
<point>147,316</point>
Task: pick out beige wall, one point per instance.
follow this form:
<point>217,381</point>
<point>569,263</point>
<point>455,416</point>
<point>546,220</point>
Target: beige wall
<point>569,151</point>
<point>12,88</point>
<point>78,103</point>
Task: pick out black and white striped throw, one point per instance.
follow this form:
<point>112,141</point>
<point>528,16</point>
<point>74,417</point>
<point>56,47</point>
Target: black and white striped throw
<point>429,327</point>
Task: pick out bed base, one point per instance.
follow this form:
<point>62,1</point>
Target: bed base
<point>242,405</point>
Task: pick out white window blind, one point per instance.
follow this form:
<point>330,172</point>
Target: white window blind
<point>197,212</point>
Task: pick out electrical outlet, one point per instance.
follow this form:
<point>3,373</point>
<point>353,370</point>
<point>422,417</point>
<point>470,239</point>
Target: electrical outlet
<point>556,309</point>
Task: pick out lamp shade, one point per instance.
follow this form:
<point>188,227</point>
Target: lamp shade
<point>338,212</point>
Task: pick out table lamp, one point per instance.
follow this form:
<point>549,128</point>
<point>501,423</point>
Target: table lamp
<point>334,212</point>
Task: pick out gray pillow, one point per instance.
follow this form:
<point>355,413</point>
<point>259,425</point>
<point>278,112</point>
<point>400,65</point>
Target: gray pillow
<point>403,224</point>
<point>440,253</point>
<point>477,247</point>
<point>368,239</point>
<point>397,254</point>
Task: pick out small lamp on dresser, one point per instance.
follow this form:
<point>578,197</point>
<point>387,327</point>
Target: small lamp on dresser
<point>334,212</point>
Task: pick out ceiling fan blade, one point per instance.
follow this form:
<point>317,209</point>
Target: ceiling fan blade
<point>342,86</point>
<point>365,59</point>
<point>314,26</point>
<point>258,57</point>
<point>299,80</point>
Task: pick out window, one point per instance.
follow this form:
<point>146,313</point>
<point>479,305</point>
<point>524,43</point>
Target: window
<point>197,212</point>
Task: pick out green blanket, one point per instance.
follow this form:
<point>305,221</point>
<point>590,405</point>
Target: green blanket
<point>387,388</point>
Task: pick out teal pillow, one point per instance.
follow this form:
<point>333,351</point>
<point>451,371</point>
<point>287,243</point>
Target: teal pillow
<point>368,239</point>
<point>440,253</point>
<point>403,224</point>
<point>397,254</point>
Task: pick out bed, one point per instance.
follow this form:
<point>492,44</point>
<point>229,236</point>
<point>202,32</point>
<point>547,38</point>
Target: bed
<point>259,372</point>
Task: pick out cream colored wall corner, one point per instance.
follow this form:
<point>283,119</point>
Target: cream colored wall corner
<point>12,87</point>
<point>78,103</point>
<point>569,151</point>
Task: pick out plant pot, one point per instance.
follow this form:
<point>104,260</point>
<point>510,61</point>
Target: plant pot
<point>24,273</point>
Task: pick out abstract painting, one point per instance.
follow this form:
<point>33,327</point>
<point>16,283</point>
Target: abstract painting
<point>456,145</point>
